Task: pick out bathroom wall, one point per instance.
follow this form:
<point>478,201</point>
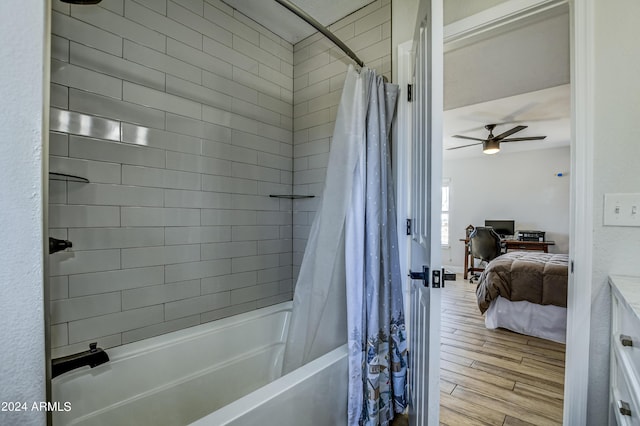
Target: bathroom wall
<point>22,88</point>
<point>319,73</point>
<point>179,113</point>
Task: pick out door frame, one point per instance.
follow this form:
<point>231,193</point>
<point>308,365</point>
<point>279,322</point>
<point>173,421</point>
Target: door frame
<point>504,17</point>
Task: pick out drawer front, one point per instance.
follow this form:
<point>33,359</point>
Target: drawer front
<point>627,338</point>
<point>623,403</point>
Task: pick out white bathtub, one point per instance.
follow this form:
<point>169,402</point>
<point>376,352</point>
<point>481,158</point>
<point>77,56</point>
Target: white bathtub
<point>220,373</point>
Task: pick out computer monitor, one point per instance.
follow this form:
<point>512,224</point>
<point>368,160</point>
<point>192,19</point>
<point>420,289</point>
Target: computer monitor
<point>502,227</point>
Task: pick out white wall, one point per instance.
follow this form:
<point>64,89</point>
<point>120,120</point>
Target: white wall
<point>517,186</point>
<point>526,59</point>
<point>180,115</point>
<point>22,354</point>
<point>403,17</point>
<point>455,10</point>
<point>616,135</point>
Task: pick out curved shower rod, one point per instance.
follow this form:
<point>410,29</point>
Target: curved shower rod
<point>318,26</point>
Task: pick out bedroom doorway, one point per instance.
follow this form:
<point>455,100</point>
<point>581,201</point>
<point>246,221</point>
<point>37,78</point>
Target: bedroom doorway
<point>497,375</point>
<point>463,294</point>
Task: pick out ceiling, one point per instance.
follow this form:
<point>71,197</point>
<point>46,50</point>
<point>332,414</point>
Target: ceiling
<point>287,25</point>
<point>546,112</point>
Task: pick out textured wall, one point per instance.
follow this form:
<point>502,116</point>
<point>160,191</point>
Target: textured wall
<point>179,113</point>
<point>616,149</point>
<point>22,366</point>
<point>319,72</point>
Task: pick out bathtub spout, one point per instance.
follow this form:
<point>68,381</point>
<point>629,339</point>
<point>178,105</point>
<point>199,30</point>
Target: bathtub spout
<point>93,357</point>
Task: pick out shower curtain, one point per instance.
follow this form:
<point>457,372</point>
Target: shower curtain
<point>349,282</point>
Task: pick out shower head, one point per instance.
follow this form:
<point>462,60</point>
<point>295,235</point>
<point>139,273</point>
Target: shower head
<point>82,1</point>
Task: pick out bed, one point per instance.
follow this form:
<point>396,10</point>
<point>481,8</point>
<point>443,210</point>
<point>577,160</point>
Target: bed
<point>526,292</point>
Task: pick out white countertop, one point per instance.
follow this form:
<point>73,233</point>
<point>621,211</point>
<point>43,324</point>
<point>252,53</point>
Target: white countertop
<point>629,290</point>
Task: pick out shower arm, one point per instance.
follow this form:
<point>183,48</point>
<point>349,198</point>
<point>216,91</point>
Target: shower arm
<point>318,26</point>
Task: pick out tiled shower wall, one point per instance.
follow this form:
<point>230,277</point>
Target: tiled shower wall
<point>319,73</point>
<point>179,112</point>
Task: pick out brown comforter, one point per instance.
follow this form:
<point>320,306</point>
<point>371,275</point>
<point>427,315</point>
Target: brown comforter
<point>536,277</point>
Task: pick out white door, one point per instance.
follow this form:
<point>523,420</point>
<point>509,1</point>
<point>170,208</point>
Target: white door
<point>426,193</point>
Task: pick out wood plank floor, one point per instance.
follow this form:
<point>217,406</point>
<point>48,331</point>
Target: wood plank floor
<point>494,377</point>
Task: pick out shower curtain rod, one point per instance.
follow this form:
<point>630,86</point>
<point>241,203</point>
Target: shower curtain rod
<point>318,26</point>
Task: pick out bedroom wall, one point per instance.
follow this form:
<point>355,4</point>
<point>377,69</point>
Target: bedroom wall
<point>519,186</point>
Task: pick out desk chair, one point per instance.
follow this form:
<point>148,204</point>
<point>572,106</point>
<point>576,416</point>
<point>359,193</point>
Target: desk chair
<point>484,244</point>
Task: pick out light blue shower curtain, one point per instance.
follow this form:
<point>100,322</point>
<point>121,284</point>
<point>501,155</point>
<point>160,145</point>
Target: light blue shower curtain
<point>375,314</point>
<point>349,286</point>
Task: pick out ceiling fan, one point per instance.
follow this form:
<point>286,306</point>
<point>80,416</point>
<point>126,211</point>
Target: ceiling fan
<point>491,144</point>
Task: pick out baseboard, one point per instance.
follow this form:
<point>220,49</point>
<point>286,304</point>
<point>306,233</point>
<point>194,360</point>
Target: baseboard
<point>455,269</point>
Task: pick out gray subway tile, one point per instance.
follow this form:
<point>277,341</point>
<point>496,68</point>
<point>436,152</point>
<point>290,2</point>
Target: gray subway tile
<point>197,234</point>
<point>114,323</point>
<point>160,100</point>
<point>162,255</point>
<point>64,216</point>
<point>117,24</point>
<point>95,149</point>
<point>78,262</point>
<point>95,171</point>
<point>157,294</point>
<point>115,195</point>
<point>111,281</point>
<point>161,62</point>
<point>115,66</point>
<point>105,238</point>
<point>196,305</point>
<point>145,136</point>
<point>84,307</point>
<point>83,124</point>
<point>71,75</point>
<point>76,30</point>
<point>154,216</point>
<point>89,103</point>
<point>162,24</point>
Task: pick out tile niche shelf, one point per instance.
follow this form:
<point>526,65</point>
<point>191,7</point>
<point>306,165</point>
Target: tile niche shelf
<point>67,178</point>
<point>291,197</point>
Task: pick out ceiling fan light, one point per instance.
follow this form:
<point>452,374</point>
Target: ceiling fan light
<point>490,147</point>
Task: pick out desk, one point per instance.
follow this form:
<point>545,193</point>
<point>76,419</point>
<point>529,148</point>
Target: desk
<point>527,245</point>
<point>508,245</point>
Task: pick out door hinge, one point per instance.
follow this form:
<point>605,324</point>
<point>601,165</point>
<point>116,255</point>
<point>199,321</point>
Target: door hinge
<point>408,227</point>
<point>572,266</point>
<point>409,92</point>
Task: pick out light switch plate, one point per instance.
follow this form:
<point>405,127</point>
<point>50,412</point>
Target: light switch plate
<point>622,209</point>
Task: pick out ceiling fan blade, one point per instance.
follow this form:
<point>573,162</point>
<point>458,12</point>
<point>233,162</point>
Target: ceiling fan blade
<point>467,137</point>
<point>530,138</point>
<point>509,132</point>
<point>464,146</point>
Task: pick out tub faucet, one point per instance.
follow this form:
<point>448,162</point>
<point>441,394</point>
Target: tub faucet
<point>93,357</point>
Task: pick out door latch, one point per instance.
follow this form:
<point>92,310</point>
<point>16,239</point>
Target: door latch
<point>435,279</point>
<point>424,275</point>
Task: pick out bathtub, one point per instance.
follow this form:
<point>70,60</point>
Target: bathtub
<point>226,372</point>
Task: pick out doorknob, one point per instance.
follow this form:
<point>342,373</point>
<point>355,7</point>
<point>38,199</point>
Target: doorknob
<point>447,276</point>
<point>424,275</point>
